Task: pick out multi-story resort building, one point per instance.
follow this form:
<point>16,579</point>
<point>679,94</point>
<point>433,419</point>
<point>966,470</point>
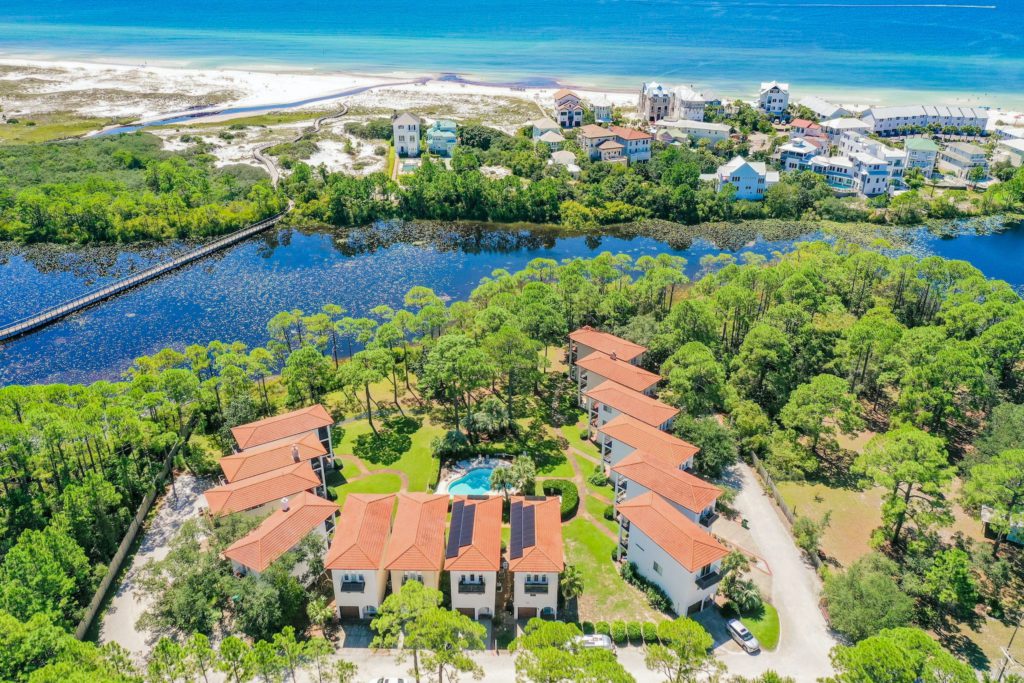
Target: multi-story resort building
<point>750,178</point>
<point>851,143</point>
<point>890,120</point>
<point>921,153</point>
<point>958,158</point>
<point>773,99</point>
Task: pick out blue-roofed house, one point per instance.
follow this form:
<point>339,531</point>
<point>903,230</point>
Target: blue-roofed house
<point>441,138</point>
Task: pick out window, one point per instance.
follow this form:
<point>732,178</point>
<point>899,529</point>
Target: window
<point>657,568</point>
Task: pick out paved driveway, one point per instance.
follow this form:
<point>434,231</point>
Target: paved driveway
<point>805,640</point>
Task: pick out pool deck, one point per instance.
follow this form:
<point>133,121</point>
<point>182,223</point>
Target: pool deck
<point>464,467</point>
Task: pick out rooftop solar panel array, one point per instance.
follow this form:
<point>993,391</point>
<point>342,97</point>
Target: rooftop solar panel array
<point>515,545</point>
<point>455,530</point>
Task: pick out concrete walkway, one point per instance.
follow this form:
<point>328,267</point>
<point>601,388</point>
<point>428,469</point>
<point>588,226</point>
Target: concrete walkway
<point>127,605</point>
<point>805,641</point>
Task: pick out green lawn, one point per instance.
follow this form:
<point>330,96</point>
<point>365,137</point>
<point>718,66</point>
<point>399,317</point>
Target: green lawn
<point>596,506</point>
<point>418,463</point>
<point>606,596</point>
<point>572,435</point>
<point>764,624</point>
<point>586,469</point>
<point>374,483</point>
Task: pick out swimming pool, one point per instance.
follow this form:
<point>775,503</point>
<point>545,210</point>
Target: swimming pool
<point>476,482</point>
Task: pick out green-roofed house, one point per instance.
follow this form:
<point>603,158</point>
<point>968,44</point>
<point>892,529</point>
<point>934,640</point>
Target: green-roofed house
<point>441,137</point>
<point>921,153</point>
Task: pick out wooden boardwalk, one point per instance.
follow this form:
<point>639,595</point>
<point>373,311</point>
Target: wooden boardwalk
<point>55,313</point>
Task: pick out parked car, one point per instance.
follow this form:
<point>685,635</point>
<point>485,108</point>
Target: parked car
<point>742,635</point>
<point>595,641</point>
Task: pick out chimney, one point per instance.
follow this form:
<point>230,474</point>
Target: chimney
<point>615,356</point>
<point>295,452</point>
<point>284,504</point>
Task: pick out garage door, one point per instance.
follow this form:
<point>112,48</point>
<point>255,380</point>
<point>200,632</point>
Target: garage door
<point>695,607</point>
<point>527,612</point>
<point>468,611</point>
<point>348,612</point>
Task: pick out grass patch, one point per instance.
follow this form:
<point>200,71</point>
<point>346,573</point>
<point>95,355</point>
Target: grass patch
<point>418,463</point>
<point>854,515</point>
<point>269,119</point>
<point>572,435</point>
<point>606,596</point>
<point>47,127</point>
<point>595,506</point>
<point>374,483</point>
<point>763,623</point>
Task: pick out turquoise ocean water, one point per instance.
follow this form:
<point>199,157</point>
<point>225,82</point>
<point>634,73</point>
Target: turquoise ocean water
<point>847,49</point>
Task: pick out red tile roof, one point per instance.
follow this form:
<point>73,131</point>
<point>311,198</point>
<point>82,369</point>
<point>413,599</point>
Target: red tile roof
<point>281,531</point>
<point>626,374</point>
<point>671,483</point>
<point>632,403</point>
<point>642,436</point>
<point>417,538</point>
<point>684,541</point>
<point>272,456</point>
<point>546,554</point>
<point>281,426</point>
<point>246,494</point>
<point>483,554</point>
<point>592,130</point>
<point>607,343</point>
<point>629,133</point>
<point>803,123</point>
<point>362,532</point>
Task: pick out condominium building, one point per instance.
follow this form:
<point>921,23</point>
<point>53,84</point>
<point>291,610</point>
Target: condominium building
<point>921,153</point>
<point>958,158</point>
<point>473,554</point>
<point>888,120</point>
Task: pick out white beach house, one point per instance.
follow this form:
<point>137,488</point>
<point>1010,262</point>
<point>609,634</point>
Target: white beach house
<point>405,134</point>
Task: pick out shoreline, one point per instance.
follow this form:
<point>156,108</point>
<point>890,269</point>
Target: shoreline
<point>291,81</point>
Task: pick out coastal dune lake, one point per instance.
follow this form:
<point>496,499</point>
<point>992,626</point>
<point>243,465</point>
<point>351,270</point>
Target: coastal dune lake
<point>853,50</point>
<point>231,296</point>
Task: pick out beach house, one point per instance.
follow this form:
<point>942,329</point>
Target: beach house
<point>804,128</point>
<point>851,143</point>
<point>773,99</point>
<point>609,400</point>
<point>405,134</point>
<point>297,517</point>
<point>288,427</point>
<point>958,158</point>
<point>838,171</point>
<point>568,109</point>
<point>586,340</point>
<point>671,551</point>
<point>1012,151</point>
<point>356,556</point>
<point>441,137</point>
<point>641,472</point>
<point>602,109</point>
<point>553,140</point>
<point>631,144</point>
<point>544,125</point>
<point>473,554</point>
<point>567,160</point>
<point>834,128</point>
<point>655,102</point>
<point>535,555</point>
<point>892,120</point>
<point>750,178</point>
<point>694,130</point>
<point>416,549</point>
<point>621,436</point>
<point>796,154</point>
<point>921,153</point>
<point>687,104</point>
<point>823,109</point>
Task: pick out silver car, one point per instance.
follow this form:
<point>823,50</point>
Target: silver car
<point>595,641</point>
<point>742,635</point>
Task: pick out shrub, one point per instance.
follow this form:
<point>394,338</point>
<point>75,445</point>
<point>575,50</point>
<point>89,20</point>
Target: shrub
<point>599,478</point>
<point>602,628</point>
<point>633,631</point>
<point>587,628</point>
<point>584,433</point>
<point>657,597</point>
<point>650,632</point>
<point>569,493</point>
<point>609,512</point>
<point>619,632</point>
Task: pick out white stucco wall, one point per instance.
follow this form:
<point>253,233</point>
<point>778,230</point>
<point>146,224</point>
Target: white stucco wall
<point>520,598</point>
<point>481,603</point>
<point>679,583</point>
<point>372,596</point>
<point>429,579</point>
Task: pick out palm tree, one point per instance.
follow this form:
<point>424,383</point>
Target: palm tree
<point>571,582</point>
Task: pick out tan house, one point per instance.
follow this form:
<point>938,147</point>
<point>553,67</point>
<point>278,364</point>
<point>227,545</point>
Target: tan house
<point>473,555</point>
<point>416,550</point>
<point>568,109</point>
<point>535,555</point>
<point>299,516</point>
<point>356,556</point>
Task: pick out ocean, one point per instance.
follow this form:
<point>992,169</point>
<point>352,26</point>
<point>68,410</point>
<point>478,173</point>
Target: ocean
<point>851,51</point>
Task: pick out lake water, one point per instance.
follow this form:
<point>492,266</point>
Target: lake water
<point>848,49</point>
<point>231,296</point>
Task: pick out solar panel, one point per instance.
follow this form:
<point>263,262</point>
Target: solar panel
<point>468,517</point>
<point>529,527</point>
<point>515,542</point>
<point>455,530</point>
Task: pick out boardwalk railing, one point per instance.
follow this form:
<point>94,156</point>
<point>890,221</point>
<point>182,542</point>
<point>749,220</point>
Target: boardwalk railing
<point>55,313</point>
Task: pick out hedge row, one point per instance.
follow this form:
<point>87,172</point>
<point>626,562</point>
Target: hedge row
<point>656,596</point>
<point>569,493</point>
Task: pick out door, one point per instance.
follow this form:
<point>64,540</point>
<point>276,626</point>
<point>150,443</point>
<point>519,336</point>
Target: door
<point>527,612</point>
<point>346,612</point>
<point>695,607</point>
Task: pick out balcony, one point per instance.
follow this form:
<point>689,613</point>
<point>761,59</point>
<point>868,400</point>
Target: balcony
<point>472,587</point>
<point>353,586</point>
<point>708,518</point>
<point>535,588</point>
<point>708,580</point>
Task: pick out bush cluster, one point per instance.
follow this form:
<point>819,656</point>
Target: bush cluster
<point>569,493</point>
<point>657,597</point>
<point>619,632</point>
